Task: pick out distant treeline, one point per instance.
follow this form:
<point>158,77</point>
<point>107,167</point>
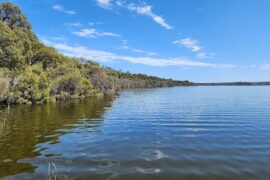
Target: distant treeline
<point>31,72</point>
<point>233,84</point>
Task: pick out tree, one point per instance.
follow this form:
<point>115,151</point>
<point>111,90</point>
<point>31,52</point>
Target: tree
<point>10,54</point>
<point>12,16</point>
<point>46,57</point>
<point>15,47</point>
<point>72,85</point>
<point>98,76</point>
<point>32,86</point>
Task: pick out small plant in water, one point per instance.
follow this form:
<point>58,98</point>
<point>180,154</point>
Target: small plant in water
<point>52,171</point>
<point>2,128</point>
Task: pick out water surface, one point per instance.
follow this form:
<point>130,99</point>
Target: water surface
<point>163,133</point>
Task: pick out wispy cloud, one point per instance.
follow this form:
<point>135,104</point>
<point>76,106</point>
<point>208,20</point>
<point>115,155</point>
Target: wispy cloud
<point>60,8</point>
<point>74,24</point>
<point>261,66</point>
<point>147,11</point>
<point>201,56</point>
<point>204,55</point>
<point>93,33</point>
<point>47,40</point>
<point>106,4</point>
<point>189,43</point>
<point>194,46</point>
<point>149,53</point>
<point>91,24</point>
<point>142,9</point>
<point>265,66</point>
<point>135,50</point>
<point>98,55</point>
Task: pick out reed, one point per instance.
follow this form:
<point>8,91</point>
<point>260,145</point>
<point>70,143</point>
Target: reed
<point>52,171</point>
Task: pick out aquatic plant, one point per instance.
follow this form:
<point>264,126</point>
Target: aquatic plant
<point>52,171</point>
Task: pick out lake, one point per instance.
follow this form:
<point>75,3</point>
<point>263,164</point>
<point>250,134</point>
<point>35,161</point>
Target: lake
<point>162,133</point>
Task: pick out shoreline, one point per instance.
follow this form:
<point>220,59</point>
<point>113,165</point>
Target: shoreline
<point>4,105</point>
<point>234,84</point>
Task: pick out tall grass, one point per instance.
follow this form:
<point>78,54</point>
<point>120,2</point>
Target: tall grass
<point>52,171</point>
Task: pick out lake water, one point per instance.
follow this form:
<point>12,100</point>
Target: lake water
<point>163,133</point>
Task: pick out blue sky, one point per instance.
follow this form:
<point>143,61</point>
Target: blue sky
<point>197,40</point>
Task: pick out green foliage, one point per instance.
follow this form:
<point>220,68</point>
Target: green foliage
<point>46,57</point>
<point>72,85</point>
<point>32,86</point>
<point>25,41</point>
<point>12,16</point>
<point>15,47</point>
<point>60,70</point>
<point>98,76</point>
<point>10,54</point>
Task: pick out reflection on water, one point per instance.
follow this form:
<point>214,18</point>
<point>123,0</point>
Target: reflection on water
<point>27,132</point>
<point>166,133</point>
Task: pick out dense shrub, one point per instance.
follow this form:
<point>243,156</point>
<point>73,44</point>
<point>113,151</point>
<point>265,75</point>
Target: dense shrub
<point>60,70</point>
<point>12,16</point>
<point>10,53</point>
<point>46,57</point>
<point>99,77</point>
<point>15,47</point>
<point>72,85</point>
<point>32,86</point>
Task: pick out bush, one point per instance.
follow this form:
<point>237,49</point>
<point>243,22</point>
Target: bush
<point>72,85</point>
<point>12,16</point>
<point>32,86</point>
<point>98,77</point>
<point>60,70</point>
<point>15,47</point>
<point>46,57</point>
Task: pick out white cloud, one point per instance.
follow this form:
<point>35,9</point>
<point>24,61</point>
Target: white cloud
<point>104,3</point>
<point>108,4</point>
<point>98,55</point>
<point>119,3</point>
<point>139,9</point>
<point>91,24</point>
<point>190,43</point>
<point>75,24</point>
<point>194,46</point>
<point>93,33</point>
<point>265,66</point>
<point>147,11</point>
<point>47,40</point>
<point>261,66</point>
<point>203,55</point>
<point>149,53</point>
<point>60,8</point>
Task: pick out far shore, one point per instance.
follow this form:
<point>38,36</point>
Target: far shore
<point>233,84</point>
